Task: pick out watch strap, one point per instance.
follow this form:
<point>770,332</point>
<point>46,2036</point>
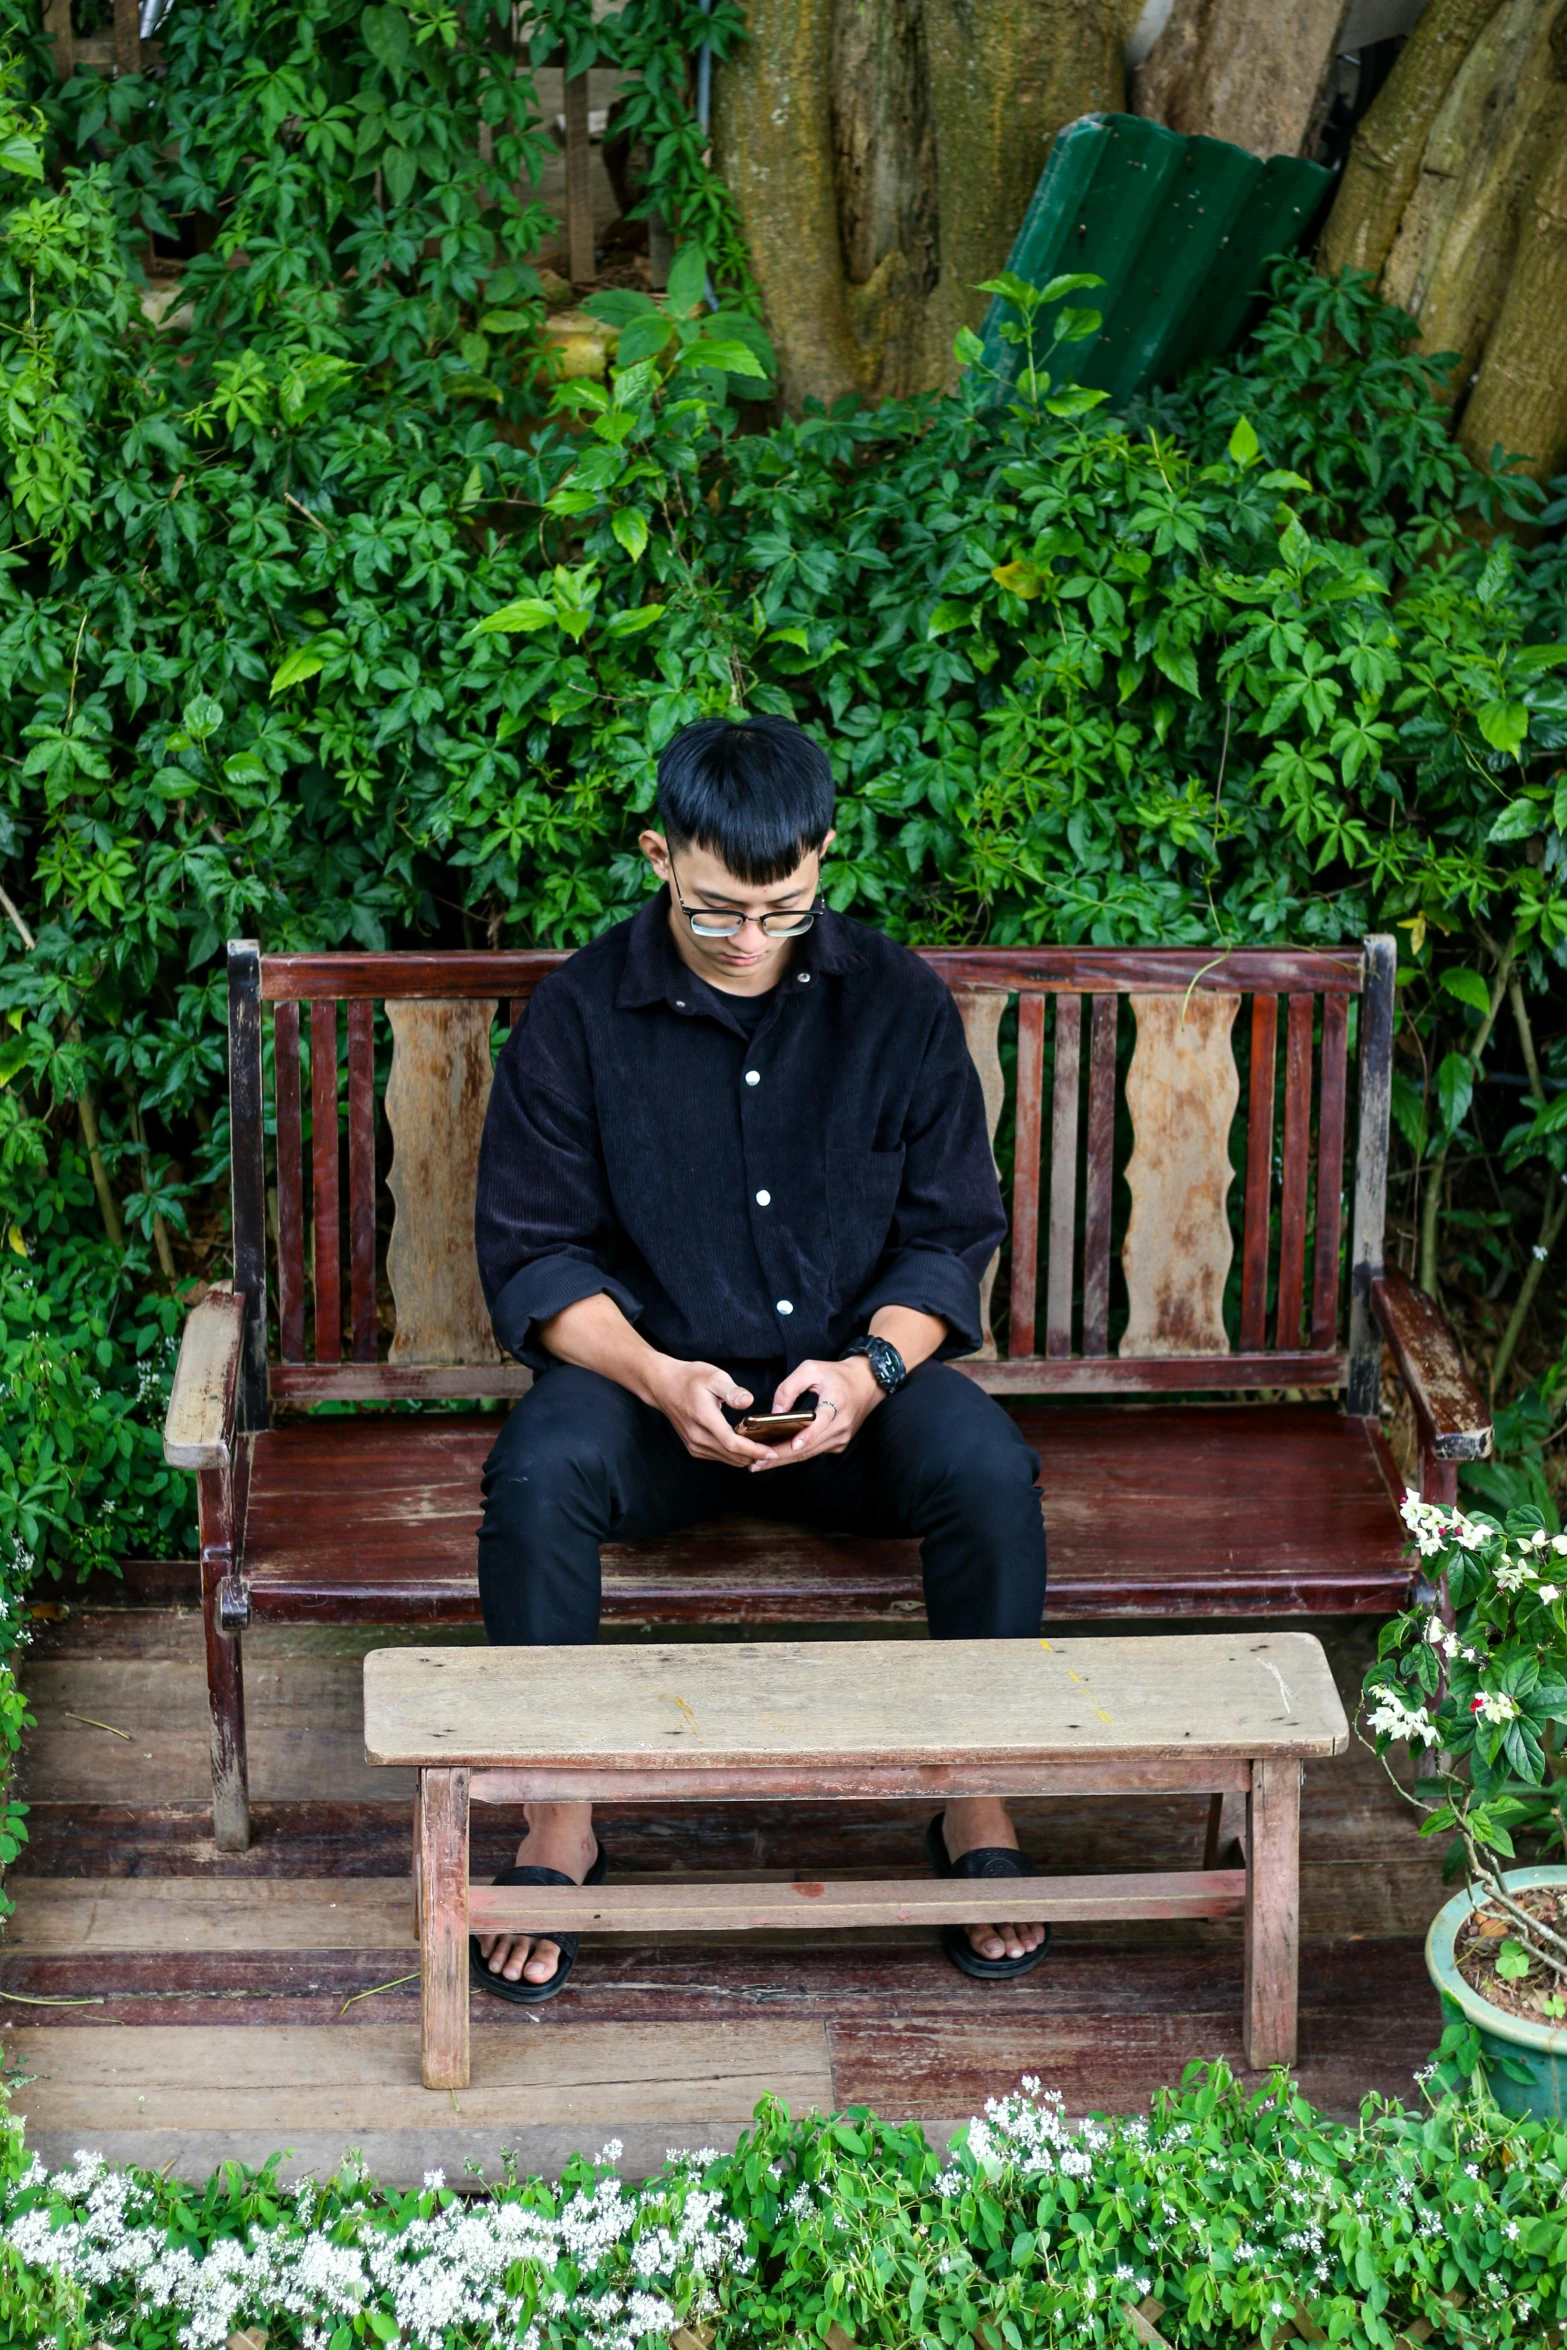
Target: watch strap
<point>888,1367</point>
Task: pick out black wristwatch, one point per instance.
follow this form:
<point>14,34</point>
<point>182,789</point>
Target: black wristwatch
<point>887,1366</point>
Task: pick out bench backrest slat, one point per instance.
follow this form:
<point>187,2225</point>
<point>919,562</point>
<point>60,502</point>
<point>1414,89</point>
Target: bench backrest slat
<point>1025,1173</point>
<point>1297,1150</point>
<point>290,1185</point>
<point>436,1097</point>
<point>326,1266</point>
<point>1100,1174</point>
<point>1063,1175</point>
<point>361,1178</point>
<point>1146,1111</point>
<point>1259,1173</point>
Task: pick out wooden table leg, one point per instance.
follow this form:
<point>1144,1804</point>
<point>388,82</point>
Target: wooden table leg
<point>418,1841</point>
<point>443,1928</point>
<point>1272,1912</point>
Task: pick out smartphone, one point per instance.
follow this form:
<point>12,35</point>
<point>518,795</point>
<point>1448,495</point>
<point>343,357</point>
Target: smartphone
<point>774,1427</point>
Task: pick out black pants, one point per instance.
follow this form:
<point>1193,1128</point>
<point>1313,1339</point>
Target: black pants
<point>580,1461</point>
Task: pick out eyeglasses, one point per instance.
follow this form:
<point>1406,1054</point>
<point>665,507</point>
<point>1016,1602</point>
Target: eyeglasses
<point>706,922</point>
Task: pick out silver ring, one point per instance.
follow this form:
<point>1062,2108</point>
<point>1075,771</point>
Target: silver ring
<point>829,1405</point>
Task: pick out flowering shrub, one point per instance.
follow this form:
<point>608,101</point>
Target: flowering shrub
<point>1474,1680</point>
<point>1219,2217</point>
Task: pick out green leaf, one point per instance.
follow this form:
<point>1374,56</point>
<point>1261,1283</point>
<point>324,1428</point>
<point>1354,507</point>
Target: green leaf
<point>1244,446</point>
<point>1074,400</point>
<point>644,338</point>
<point>1504,725</point>
<point>21,154</point>
<point>724,352</point>
<point>519,619</point>
<point>399,170</point>
<point>1455,1084</point>
<point>619,305</point>
<point>1512,1961</point>
<point>505,322</point>
<point>948,615</point>
<point>1530,660</point>
<point>629,525</point>
<point>387,37</point>
<point>201,717</point>
<point>687,281</point>
<point>968,350</point>
<point>633,621</point>
<point>294,668</point>
<point>1019,579</point>
<point>1408,1112</point>
<point>1468,986</point>
<point>470,387</point>
<point>1517,821</point>
<point>1077,282</point>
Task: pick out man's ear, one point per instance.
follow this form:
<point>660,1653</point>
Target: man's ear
<point>656,850</point>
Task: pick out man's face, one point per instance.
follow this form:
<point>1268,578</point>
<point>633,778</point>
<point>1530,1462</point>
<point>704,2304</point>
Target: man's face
<point>748,962</point>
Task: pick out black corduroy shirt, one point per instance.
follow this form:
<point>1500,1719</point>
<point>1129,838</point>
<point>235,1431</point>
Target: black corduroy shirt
<point>742,1199</point>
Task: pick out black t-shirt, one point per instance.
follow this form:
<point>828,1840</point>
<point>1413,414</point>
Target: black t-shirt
<point>748,1010</point>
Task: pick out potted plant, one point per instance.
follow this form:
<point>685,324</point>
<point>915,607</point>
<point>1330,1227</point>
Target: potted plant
<point>1473,1679</point>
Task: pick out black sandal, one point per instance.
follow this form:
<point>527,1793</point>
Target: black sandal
<point>525,1994</point>
<point>986,1860</point>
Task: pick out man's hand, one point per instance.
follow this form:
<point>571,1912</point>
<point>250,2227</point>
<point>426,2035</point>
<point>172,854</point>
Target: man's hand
<point>846,1394</point>
<point>691,1397</point>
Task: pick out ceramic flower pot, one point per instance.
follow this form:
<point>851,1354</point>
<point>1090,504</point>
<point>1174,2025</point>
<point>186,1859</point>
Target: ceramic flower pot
<point>1540,2048</point>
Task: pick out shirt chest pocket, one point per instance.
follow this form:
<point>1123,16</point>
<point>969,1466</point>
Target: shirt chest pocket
<point>862,1191</point>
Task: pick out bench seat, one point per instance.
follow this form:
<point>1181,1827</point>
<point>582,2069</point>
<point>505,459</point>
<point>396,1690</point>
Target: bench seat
<point>1204,1510</point>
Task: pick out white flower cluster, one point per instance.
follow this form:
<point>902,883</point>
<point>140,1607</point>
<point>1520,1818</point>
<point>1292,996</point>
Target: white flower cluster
<point>1392,1718</point>
<point>1434,1525</point>
<point>471,2271</point>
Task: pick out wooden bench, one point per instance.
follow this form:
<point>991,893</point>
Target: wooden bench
<point>1209,1713</point>
<point>1188,1283</point>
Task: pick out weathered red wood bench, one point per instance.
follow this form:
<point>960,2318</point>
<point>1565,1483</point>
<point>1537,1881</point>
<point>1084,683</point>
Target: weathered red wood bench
<point>1204,1713</point>
<point>1212,1108</point>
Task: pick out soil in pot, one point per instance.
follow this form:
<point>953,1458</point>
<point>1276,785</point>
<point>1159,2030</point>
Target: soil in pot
<point>1479,1947</point>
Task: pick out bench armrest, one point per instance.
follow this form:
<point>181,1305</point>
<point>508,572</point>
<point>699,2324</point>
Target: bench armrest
<point>1452,1419</point>
<point>199,1426</point>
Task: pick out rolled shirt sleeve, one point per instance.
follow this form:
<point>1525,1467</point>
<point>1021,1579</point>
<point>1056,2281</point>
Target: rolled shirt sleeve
<point>544,1221</point>
<point>949,1220</point>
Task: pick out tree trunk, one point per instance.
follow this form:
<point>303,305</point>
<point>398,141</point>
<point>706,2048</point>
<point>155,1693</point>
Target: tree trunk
<point>1384,162</point>
<point>1503,114</point>
<point>882,154</point>
<point>1255,72</point>
<point>1520,400</point>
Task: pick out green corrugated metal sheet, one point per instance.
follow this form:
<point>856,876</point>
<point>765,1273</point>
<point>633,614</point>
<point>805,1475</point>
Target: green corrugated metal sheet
<point>1179,229</point>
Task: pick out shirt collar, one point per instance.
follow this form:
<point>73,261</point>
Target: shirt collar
<point>654,973</point>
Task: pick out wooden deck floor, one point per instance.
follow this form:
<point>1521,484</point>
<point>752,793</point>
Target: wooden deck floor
<point>219,2026</point>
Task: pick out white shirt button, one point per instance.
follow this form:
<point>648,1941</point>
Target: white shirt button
<point>804,978</point>
<point>764,1199</point>
<point>680,1003</point>
<point>753,1076</point>
<point>784,1306</point>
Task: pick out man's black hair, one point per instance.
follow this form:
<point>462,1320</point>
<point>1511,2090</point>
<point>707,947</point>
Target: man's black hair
<point>757,792</point>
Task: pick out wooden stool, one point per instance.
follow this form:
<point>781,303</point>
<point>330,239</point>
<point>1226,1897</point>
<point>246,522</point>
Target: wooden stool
<point>1218,1714</point>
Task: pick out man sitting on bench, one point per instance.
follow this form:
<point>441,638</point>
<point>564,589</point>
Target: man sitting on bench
<point>736,1158</point>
